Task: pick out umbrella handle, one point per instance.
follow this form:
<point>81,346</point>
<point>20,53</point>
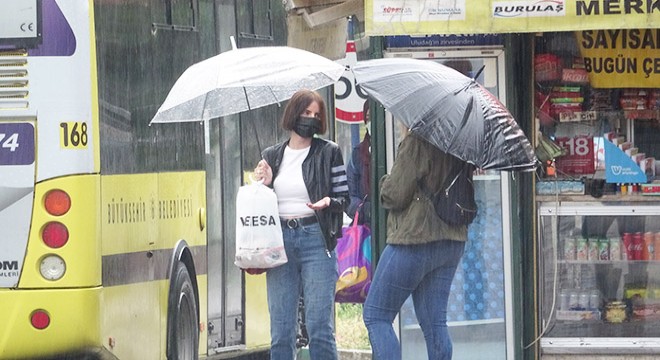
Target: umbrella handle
<point>479,72</point>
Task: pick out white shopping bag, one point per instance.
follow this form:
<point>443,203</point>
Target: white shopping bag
<point>259,242</point>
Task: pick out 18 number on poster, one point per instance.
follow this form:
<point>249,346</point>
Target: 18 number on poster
<point>579,158</point>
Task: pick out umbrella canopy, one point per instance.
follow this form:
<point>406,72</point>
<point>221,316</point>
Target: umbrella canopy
<point>448,109</point>
<point>245,79</point>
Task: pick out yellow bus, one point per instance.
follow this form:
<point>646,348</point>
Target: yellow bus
<point>116,236</point>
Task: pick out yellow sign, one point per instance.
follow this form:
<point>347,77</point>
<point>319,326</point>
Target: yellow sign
<point>425,17</point>
<point>621,58</point>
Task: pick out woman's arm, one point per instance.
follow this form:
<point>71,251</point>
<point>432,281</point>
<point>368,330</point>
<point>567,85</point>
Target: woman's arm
<point>398,188</point>
<point>339,198</point>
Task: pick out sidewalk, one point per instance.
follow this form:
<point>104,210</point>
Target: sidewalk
<point>344,354</point>
<point>354,354</point>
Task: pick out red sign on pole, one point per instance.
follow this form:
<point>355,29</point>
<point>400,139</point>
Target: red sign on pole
<point>348,98</point>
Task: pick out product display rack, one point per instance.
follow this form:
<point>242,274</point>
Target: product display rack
<point>591,303</point>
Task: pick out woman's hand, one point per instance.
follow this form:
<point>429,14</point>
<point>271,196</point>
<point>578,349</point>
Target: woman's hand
<point>263,172</point>
<point>321,204</point>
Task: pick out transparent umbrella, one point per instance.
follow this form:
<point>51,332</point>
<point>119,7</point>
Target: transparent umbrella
<point>448,109</point>
<point>243,79</point>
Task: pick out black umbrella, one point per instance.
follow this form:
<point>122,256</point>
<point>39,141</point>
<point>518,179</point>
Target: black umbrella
<point>448,109</point>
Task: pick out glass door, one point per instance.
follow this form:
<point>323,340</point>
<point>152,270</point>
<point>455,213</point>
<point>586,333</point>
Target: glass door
<point>480,297</point>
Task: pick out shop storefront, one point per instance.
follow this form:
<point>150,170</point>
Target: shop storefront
<point>583,80</point>
<point>597,99</point>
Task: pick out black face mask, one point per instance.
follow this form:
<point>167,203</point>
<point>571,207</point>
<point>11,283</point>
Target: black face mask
<point>307,126</point>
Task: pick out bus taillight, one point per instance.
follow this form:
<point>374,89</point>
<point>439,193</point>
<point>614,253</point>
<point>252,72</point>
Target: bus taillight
<point>40,319</point>
<point>52,267</point>
<point>57,202</point>
<point>55,234</point>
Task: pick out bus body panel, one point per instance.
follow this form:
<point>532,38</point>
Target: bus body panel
<point>61,90</point>
<point>143,217</point>
<point>140,305</point>
<point>129,213</point>
<point>181,207</point>
<point>74,322</point>
<point>17,169</point>
<point>257,327</point>
<point>82,250</point>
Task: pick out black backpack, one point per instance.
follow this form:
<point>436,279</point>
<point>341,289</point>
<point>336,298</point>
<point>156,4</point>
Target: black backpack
<point>454,203</point>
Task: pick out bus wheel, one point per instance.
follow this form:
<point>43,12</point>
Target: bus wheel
<point>183,334</point>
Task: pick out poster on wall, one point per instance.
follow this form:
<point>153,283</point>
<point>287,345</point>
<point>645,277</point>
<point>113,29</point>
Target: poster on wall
<point>579,157</point>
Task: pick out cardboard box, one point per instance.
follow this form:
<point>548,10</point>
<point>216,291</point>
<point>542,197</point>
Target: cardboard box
<point>648,165</point>
<point>625,146</point>
<point>651,189</point>
<point>637,158</point>
<point>610,135</point>
<point>632,151</point>
<point>618,140</point>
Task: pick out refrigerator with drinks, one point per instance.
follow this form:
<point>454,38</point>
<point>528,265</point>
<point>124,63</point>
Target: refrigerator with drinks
<point>600,276</point>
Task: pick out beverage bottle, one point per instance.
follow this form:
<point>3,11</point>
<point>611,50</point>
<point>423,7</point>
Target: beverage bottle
<point>656,246</point>
<point>638,244</point>
<point>594,300</point>
<point>647,246</point>
<point>569,248</point>
<point>573,302</point>
<point>615,248</point>
<point>593,253</point>
<point>583,300</point>
<point>603,249</point>
<point>564,299</point>
<point>628,246</point>
<point>581,249</point>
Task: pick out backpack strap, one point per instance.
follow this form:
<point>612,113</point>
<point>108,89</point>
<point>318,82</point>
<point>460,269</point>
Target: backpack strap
<point>449,182</point>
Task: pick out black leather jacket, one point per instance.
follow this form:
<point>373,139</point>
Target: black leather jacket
<point>324,175</point>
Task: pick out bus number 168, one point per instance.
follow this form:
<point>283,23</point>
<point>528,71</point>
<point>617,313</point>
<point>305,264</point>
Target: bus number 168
<point>73,134</point>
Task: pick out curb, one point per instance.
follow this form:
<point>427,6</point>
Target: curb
<point>354,354</point>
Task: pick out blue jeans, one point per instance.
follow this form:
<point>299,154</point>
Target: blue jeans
<point>425,271</point>
<point>312,270</point>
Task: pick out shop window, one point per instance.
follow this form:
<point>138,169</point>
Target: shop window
<point>181,12</point>
<point>178,15</point>
<point>592,90</point>
<point>597,105</point>
<point>253,19</point>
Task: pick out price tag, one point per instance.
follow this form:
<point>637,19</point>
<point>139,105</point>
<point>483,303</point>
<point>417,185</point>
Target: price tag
<point>577,116</point>
<point>580,157</point>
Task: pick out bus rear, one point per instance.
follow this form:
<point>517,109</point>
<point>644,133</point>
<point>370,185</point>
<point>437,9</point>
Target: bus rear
<point>105,247</point>
<point>50,273</point>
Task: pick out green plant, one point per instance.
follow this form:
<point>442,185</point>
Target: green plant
<point>350,330</point>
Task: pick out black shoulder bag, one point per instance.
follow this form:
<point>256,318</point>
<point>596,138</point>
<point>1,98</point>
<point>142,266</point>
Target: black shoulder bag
<point>454,203</point>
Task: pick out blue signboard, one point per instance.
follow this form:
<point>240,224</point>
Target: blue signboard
<point>620,168</point>
<point>16,144</point>
<point>405,41</point>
